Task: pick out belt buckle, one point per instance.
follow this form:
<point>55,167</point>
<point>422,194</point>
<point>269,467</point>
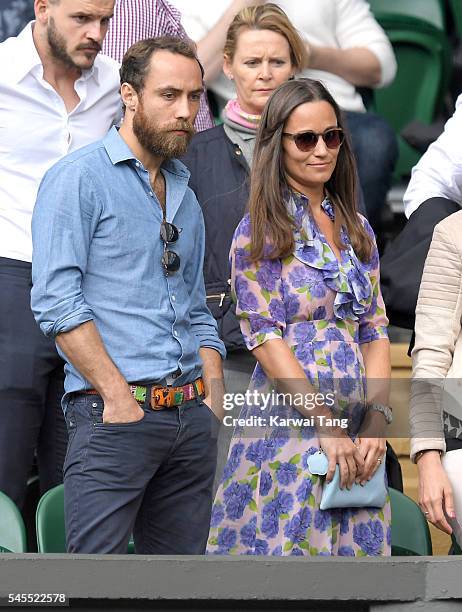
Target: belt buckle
<point>156,397</point>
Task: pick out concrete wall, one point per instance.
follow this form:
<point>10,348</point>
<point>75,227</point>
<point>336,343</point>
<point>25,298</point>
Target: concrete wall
<point>240,583</point>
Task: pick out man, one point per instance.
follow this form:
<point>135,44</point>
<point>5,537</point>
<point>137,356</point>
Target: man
<point>434,192</point>
<point>437,178</point>
<point>57,94</point>
<point>136,20</point>
<point>117,272</point>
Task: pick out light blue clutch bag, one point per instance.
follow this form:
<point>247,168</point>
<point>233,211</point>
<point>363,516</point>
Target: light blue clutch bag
<point>372,495</point>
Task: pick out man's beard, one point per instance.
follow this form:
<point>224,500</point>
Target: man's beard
<point>161,142</point>
<point>57,45</point>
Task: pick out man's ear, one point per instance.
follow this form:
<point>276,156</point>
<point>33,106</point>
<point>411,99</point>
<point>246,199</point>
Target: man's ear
<point>129,96</point>
<point>41,10</point>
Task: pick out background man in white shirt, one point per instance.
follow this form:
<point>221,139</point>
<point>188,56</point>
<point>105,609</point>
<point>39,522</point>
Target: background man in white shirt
<point>57,95</point>
<point>438,173</point>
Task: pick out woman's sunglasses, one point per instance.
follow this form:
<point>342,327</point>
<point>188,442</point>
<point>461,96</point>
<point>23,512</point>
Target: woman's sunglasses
<point>169,233</point>
<point>307,141</point>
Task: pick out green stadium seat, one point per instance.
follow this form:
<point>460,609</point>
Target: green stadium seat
<point>51,535</point>
<point>417,93</point>
<point>431,11</point>
<point>455,10</point>
<point>410,534</point>
<point>12,529</point>
<point>49,522</point>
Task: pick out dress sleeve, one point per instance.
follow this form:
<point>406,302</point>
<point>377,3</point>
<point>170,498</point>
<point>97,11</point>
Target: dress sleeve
<point>373,323</point>
<point>257,291</point>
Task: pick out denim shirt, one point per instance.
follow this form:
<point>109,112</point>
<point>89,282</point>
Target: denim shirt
<point>97,257</point>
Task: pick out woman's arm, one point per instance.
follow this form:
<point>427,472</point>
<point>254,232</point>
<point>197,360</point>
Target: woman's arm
<point>437,327</point>
<point>280,365</point>
<point>376,356</point>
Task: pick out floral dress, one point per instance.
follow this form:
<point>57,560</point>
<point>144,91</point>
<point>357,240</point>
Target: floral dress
<point>268,501</point>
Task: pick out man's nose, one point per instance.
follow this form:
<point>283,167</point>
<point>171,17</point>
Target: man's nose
<point>183,108</point>
<point>96,31</point>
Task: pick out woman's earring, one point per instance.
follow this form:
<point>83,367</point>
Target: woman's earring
<point>292,77</point>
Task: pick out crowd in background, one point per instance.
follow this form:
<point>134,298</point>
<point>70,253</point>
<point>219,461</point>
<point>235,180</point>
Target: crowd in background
<point>168,267</point>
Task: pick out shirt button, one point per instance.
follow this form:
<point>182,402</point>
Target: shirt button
<point>151,194</point>
<point>137,164</point>
<point>173,298</point>
<point>175,333</point>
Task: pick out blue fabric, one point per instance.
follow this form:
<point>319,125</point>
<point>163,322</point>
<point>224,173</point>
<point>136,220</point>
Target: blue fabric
<point>152,478</point>
<point>376,151</point>
<point>31,387</point>
<point>97,256</point>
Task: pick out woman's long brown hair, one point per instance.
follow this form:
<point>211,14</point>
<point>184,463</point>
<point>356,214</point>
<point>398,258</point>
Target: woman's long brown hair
<point>270,221</point>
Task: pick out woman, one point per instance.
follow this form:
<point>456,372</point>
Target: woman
<point>306,281</point>
<point>436,408</point>
<point>262,50</point>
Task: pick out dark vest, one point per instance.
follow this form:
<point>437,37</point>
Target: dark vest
<point>220,180</point>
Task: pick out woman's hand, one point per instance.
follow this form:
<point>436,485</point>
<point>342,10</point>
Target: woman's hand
<point>372,444</point>
<point>340,450</point>
<point>435,491</point>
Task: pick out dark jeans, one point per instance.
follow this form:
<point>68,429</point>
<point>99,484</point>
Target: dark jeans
<point>31,387</point>
<point>376,150</point>
<point>152,478</point>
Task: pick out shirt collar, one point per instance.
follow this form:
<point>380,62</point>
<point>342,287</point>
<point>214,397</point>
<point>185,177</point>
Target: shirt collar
<point>28,58</point>
<point>301,201</point>
<point>119,151</point>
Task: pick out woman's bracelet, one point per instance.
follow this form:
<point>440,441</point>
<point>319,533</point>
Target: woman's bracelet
<point>426,450</point>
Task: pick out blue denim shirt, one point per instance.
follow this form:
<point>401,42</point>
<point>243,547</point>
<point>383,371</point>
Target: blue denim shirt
<point>97,256</point>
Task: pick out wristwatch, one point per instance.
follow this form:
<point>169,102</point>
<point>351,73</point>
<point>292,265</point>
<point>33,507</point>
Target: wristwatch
<point>385,410</point>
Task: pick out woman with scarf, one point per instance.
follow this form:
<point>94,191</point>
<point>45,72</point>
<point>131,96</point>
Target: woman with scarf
<point>262,51</point>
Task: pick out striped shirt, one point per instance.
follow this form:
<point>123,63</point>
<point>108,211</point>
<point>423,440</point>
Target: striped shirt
<point>136,20</point>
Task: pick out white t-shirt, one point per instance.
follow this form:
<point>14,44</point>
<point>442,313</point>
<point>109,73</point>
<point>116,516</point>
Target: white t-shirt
<point>36,130</point>
<point>341,24</point>
<point>438,173</point>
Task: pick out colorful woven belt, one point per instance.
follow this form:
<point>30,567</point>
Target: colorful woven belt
<point>165,397</point>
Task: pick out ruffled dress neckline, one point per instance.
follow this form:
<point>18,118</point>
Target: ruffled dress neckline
<point>349,277</point>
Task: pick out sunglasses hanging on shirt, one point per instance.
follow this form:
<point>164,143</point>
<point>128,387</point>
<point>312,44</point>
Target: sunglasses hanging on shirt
<point>169,234</point>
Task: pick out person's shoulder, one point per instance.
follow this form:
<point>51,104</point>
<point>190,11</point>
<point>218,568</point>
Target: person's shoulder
<point>242,233</point>
<point>207,136</point>
<point>365,223</point>
<point>12,51</point>
<point>451,226</point>
<point>83,161</point>
<point>202,141</point>
<point>108,70</point>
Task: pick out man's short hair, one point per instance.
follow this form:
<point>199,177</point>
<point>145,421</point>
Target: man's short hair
<point>136,61</point>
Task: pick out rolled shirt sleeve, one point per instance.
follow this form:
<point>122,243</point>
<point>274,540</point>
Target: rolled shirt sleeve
<point>438,174</point>
<point>356,26</point>
<point>64,220</point>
